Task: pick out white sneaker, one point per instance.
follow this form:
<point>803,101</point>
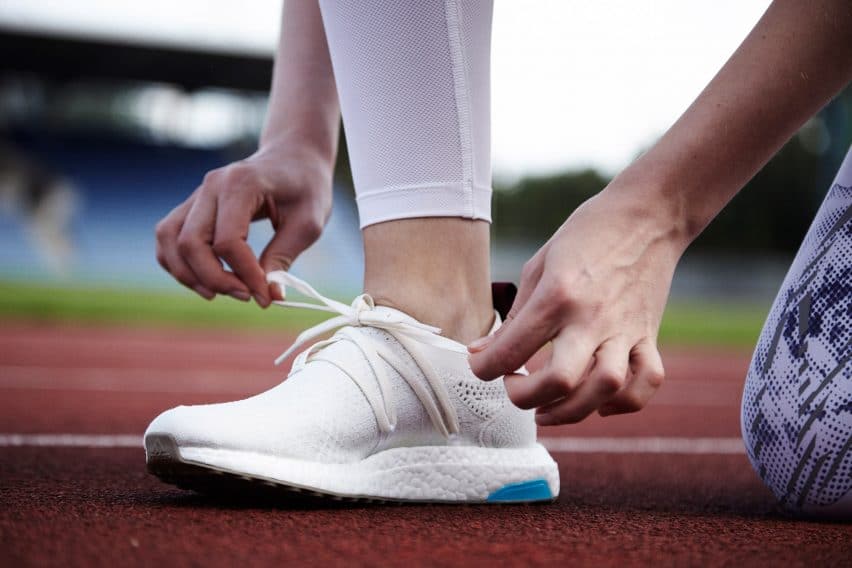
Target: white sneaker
<point>386,409</point>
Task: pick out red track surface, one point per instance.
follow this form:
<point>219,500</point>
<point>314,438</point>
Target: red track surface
<point>83,506</point>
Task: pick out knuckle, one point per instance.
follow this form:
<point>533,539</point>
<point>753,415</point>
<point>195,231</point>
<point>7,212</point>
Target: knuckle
<point>225,247</point>
<point>656,378</point>
<point>163,231</point>
<point>186,244</point>
<point>529,271</point>
<point>610,381</point>
<point>562,381</point>
<point>561,294</point>
<point>161,259</point>
<point>239,173</point>
<point>312,228</point>
<point>212,177</point>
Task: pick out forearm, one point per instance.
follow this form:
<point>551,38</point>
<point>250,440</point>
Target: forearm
<point>796,58</point>
<point>303,106</point>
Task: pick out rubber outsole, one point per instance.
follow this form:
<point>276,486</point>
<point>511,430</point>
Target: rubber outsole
<point>164,460</point>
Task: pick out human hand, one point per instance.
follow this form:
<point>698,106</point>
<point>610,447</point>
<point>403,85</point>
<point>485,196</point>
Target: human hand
<point>596,290</point>
<point>291,189</point>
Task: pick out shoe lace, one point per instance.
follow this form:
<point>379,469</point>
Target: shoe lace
<point>360,314</point>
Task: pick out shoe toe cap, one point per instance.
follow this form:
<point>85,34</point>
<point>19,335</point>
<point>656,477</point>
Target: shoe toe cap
<point>187,425</point>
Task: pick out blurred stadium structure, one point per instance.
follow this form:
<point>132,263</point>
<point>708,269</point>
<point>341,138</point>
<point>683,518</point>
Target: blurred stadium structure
<point>99,138</point>
<point>129,131</point>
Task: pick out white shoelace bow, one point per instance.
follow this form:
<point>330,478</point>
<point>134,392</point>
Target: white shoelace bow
<point>362,313</point>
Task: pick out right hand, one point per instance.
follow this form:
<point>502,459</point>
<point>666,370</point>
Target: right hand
<point>596,291</point>
<point>211,226</point>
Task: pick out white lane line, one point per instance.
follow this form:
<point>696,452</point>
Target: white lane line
<point>123,380</point>
<point>574,445</point>
<point>71,440</point>
<point>239,383</point>
<point>646,445</point>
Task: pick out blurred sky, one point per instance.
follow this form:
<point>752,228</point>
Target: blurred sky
<point>575,83</point>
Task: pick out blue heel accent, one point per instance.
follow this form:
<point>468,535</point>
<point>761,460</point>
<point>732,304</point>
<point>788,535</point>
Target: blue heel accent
<point>532,490</point>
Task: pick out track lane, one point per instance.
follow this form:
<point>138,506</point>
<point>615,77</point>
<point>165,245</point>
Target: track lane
<point>97,506</point>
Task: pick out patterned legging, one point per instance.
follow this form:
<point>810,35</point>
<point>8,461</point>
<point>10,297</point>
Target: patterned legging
<point>797,406</point>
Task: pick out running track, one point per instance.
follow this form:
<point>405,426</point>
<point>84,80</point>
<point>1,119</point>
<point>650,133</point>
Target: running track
<point>669,485</point>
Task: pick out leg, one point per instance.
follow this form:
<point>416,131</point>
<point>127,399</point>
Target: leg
<point>413,80</point>
<point>386,408</point>
<point>797,406</point>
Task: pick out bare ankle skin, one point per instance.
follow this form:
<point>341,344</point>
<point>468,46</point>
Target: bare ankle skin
<point>435,269</point>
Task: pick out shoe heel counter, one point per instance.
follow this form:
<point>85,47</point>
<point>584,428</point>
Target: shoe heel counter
<point>510,428</point>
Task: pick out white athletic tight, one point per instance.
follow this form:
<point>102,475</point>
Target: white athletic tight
<point>414,84</point>
<point>413,80</point>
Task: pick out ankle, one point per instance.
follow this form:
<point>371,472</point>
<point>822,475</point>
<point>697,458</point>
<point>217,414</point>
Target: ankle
<point>462,318</point>
<point>434,269</point>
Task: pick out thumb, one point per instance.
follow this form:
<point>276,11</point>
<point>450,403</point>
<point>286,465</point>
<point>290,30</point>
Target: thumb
<point>528,284</point>
<point>519,339</point>
<point>290,240</point>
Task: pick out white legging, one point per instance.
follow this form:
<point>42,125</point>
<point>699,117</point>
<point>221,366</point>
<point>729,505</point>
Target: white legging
<point>414,86</point>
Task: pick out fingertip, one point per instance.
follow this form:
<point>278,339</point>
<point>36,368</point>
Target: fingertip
<point>604,411</point>
<point>545,419</point>
<point>517,389</point>
<point>275,292</point>
<point>480,367</point>
<point>511,378</point>
<point>480,344</point>
<point>204,292</point>
<point>261,300</point>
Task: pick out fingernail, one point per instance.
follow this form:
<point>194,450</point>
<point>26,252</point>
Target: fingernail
<point>261,301</point>
<point>479,344</point>
<point>240,295</point>
<point>202,291</point>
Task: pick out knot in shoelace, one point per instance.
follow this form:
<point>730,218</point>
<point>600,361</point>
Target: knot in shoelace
<point>363,313</point>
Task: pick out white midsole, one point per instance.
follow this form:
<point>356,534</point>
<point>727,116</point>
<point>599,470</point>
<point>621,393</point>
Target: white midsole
<point>429,473</point>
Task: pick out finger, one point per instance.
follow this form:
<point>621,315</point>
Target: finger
<point>558,379</point>
<point>647,376</point>
<point>529,278</point>
<point>295,232</point>
<point>606,377</point>
<point>167,232</point>
<point>518,339</point>
<point>233,217</point>
<point>194,245</point>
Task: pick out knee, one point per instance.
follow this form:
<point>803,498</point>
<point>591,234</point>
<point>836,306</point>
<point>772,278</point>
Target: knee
<point>798,437</point>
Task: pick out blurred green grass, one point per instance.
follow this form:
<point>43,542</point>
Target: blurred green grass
<point>21,301</point>
<point>688,324</point>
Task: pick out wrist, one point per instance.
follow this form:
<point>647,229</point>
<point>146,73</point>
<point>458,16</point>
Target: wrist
<point>656,213</point>
<point>675,189</point>
<point>308,157</point>
<point>305,144</point>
